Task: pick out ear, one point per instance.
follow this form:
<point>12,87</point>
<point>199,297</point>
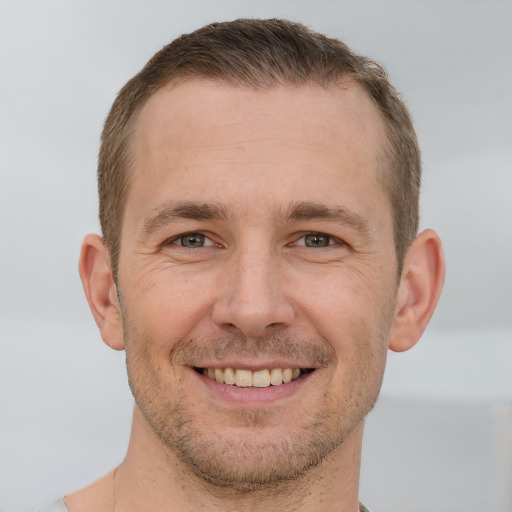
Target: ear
<point>419,290</point>
<point>100,290</point>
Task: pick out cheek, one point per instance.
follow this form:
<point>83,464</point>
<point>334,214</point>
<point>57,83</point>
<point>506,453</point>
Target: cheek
<point>156,317</point>
<point>166,303</point>
<point>361,347</point>
<point>353,314</point>
<point>344,303</point>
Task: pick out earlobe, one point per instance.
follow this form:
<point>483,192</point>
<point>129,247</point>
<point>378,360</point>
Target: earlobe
<point>419,290</point>
<point>100,290</point>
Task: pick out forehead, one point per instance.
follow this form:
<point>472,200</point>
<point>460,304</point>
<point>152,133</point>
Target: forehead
<point>301,141</point>
<point>198,108</point>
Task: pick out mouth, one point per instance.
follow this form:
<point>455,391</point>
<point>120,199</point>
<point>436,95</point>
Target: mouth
<point>245,378</point>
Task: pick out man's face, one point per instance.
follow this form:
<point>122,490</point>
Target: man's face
<point>257,239</point>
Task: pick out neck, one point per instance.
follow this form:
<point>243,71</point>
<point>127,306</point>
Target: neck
<point>152,477</point>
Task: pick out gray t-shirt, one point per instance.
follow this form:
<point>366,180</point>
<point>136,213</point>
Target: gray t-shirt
<point>59,506</point>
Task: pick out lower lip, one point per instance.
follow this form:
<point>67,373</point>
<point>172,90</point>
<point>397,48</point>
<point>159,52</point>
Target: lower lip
<point>256,396</point>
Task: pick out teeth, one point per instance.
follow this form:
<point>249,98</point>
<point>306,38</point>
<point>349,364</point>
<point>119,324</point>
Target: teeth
<point>261,379</point>
<point>219,375</point>
<point>229,376</point>
<point>276,377</point>
<point>248,378</point>
<point>243,378</point>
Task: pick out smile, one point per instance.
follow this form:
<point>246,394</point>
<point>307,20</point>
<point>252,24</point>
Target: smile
<point>255,379</point>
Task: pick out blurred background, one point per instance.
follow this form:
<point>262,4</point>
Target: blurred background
<point>440,438</point>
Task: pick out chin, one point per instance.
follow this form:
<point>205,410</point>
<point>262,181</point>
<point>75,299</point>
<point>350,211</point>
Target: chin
<point>256,454</point>
<point>251,460</point>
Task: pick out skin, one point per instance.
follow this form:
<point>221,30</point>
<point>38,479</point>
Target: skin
<point>280,170</point>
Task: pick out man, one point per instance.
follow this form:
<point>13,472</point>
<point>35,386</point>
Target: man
<point>259,189</point>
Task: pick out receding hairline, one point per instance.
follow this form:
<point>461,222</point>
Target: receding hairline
<point>383,156</point>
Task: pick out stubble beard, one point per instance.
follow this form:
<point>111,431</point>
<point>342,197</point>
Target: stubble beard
<point>259,454</point>
<point>243,461</point>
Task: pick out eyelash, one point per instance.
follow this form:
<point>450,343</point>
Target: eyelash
<point>331,240</point>
<point>197,234</point>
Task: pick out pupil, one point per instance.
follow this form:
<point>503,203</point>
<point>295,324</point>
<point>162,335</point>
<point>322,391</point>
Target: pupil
<point>317,240</point>
<point>193,241</point>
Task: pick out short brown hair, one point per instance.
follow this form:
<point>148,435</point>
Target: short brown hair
<point>260,54</point>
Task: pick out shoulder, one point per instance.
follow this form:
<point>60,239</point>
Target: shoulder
<point>96,496</point>
<point>58,506</point>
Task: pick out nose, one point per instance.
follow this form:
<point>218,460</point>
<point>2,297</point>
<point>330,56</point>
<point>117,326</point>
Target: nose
<point>251,299</point>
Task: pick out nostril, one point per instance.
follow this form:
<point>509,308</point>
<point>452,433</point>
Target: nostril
<point>252,313</point>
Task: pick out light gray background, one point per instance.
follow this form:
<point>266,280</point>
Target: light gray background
<point>441,437</point>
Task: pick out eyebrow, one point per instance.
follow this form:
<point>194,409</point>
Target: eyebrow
<point>169,212</point>
<point>312,211</point>
<point>298,211</point>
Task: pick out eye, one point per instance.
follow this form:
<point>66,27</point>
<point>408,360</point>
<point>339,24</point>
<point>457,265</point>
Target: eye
<point>192,241</point>
<point>315,240</point>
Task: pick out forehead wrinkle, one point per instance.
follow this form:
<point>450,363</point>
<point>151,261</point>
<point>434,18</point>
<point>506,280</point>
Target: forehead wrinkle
<point>170,211</point>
